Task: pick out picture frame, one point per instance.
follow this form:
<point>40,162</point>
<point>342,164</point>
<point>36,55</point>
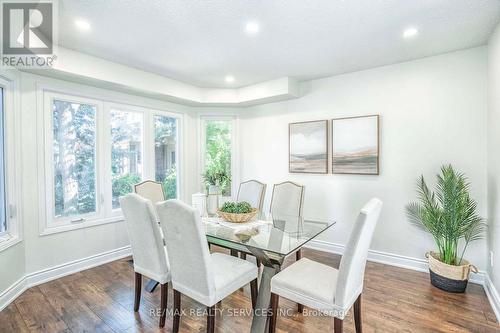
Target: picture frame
<point>355,145</point>
<point>308,147</point>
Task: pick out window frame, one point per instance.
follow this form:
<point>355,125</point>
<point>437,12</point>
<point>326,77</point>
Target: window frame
<point>12,147</point>
<point>104,104</point>
<point>234,151</point>
<point>88,218</point>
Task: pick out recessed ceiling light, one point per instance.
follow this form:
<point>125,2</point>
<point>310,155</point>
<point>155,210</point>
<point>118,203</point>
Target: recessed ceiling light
<point>82,25</point>
<point>252,27</point>
<point>410,32</point>
<point>229,78</point>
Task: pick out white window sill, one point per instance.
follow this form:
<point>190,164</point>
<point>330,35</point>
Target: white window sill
<point>49,230</point>
<point>7,240</point>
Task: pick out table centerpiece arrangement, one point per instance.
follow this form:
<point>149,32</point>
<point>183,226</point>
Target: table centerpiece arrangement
<point>237,212</point>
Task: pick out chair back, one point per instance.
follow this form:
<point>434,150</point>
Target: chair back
<point>353,262</point>
<point>253,192</point>
<point>150,190</point>
<point>187,247</point>
<point>146,242</point>
<point>287,199</point>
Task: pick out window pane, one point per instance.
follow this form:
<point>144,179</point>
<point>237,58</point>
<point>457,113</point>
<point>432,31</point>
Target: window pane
<point>218,154</point>
<point>126,152</point>
<point>74,145</point>
<point>3,215</point>
<point>166,154</point>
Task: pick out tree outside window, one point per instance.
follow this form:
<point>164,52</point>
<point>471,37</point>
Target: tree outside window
<point>218,148</point>
<point>74,158</point>
<point>165,154</point>
<point>126,152</point>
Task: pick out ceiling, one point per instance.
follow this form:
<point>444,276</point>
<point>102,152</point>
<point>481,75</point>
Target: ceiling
<point>201,41</point>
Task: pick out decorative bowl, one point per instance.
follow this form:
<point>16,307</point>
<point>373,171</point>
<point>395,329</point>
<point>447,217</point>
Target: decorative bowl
<point>238,218</point>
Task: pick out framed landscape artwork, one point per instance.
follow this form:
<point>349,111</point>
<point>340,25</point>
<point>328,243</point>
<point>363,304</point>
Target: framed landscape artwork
<point>308,147</point>
<point>355,145</point>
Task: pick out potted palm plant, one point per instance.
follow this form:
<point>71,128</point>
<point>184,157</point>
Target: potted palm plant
<point>449,215</point>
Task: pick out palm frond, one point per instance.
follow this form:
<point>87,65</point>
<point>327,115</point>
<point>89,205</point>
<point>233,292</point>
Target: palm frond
<point>449,214</point>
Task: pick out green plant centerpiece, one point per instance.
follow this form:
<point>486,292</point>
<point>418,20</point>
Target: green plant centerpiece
<point>449,215</point>
<point>237,212</point>
<point>236,207</point>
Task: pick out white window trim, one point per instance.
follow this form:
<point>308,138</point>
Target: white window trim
<point>52,221</point>
<point>103,162</point>
<point>13,235</point>
<point>235,180</point>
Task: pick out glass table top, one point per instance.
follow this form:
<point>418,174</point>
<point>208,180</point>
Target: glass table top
<point>281,235</point>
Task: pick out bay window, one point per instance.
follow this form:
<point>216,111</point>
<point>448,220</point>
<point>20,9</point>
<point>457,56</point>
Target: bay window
<point>95,152</point>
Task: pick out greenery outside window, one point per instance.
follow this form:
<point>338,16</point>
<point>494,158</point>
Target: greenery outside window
<point>165,131</point>
<point>96,151</point>
<point>126,152</point>
<point>74,158</point>
<point>218,153</point>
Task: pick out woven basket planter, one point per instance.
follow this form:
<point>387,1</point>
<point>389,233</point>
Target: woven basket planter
<point>238,218</point>
<point>449,277</point>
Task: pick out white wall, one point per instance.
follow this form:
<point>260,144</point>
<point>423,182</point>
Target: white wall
<point>12,265</point>
<point>432,111</point>
<point>493,154</point>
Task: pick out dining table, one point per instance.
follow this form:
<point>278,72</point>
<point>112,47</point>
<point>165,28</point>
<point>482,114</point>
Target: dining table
<point>270,241</point>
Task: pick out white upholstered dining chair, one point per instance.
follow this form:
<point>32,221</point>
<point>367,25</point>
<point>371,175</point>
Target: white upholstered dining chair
<point>196,273</point>
<point>288,200</point>
<point>253,192</point>
<point>325,288</point>
<point>148,250</point>
<point>150,190</point>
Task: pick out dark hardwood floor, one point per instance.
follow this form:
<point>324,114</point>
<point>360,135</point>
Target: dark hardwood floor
<point>101,299</point>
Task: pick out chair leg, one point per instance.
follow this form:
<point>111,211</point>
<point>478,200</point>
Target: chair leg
<point>338,325</point>
<point>253,292</point>
<point>298,256</point>
<point>358,322</point>
<point>211,319</point>
<point>163,303</point>
<point>177,311</point>
<point>138,288</point>
<point>273,313</point>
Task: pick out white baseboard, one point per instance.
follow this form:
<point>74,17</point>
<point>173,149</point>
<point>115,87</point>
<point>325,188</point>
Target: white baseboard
<point>392,259</point>
<point>12,292</point>
<point>493,296</point>
<point>36,278</point>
